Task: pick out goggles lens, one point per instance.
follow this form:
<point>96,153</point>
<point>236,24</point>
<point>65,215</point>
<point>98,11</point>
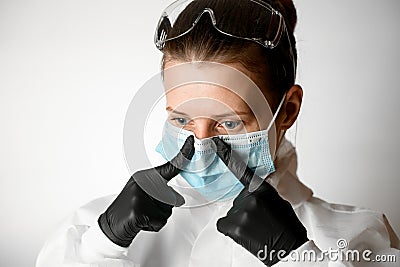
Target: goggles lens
<point>230,17</point>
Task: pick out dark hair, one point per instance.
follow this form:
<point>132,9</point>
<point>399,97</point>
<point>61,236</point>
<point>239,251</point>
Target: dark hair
<point>273,67</point>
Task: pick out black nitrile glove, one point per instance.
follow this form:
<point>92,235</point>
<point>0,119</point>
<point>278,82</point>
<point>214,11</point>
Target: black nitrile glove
<point>146,201</point>
<point>260,221</point>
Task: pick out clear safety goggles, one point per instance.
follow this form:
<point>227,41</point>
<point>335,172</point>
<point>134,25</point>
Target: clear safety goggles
<point>267,24</point>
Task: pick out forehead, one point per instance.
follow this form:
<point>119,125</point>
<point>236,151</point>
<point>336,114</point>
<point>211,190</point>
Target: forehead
<point>206,100</point>
<point>216,81</point>
<point>205,94</point>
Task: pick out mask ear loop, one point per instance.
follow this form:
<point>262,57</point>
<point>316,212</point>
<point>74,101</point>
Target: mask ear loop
<point>256,181</point>
<point>273,120</point>
<point>277,112</point>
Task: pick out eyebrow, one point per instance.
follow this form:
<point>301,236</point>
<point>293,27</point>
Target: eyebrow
<point>236,113</point>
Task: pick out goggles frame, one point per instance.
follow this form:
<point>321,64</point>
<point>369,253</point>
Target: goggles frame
<point>177,7</point>
<point>160,38</point>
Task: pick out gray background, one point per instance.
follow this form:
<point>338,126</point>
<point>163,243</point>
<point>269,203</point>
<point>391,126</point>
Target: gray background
<point>68,70</point>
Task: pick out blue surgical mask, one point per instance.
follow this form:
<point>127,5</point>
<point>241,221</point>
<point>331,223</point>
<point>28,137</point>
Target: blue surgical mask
<point>206,172</point>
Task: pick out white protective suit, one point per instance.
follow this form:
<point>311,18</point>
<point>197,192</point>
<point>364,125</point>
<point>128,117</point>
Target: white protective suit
<point>190,237</point>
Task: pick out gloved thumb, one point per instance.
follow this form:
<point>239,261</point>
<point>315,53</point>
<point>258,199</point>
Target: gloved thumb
<point>172,168</point>
<point>234,163</point>
<point>154,181</point>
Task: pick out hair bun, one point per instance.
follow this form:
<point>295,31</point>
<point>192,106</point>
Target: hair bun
<point>288,10</point>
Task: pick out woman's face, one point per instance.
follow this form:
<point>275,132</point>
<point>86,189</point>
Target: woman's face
<point>208,110</point>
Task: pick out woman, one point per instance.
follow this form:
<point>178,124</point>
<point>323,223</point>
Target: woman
<point>256,214</point>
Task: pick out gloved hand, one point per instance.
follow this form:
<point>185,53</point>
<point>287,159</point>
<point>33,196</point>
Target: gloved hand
<point>260,220</point>
<point>136,207</point>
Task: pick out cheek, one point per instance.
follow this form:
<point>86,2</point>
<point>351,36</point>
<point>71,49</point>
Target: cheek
<point>252,125</point>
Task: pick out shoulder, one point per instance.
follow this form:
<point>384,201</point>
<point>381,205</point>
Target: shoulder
<point>78,239</point>
<point>319,204</point>
<point>329,222</point>
<point>87,214</point>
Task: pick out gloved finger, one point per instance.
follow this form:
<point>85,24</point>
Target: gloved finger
<point>172,168</point>
<point>151,182</point>
<point>222,225</point>
<point>154,224</point>
<point>228,228</point>
<point>235,164</point>
<point>154,181</point>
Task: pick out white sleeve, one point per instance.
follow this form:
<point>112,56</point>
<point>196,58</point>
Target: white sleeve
<point>79,241</point>
<point>95,246</point>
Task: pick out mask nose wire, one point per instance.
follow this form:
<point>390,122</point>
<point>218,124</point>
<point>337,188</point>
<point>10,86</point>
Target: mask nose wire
<point>272,120</point>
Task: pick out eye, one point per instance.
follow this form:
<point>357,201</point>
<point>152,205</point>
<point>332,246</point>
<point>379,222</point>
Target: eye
<point>230,125</point>
<point>180,121</point>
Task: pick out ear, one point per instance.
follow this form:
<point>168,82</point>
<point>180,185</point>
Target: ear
<point>290,108</point>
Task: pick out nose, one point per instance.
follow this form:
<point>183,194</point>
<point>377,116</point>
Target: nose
<point>204,128</point>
